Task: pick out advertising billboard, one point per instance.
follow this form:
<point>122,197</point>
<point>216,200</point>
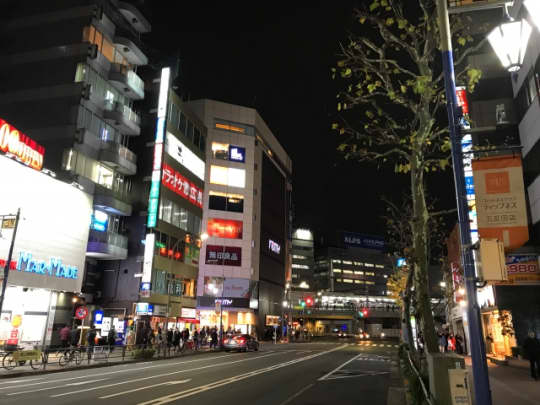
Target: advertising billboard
<point>224,228</point>
<point>363,241</point>
<point>500,200</point>
<point>227,287</point>
<point>50,246</point>
<point>183,155</point>
<point>174,181</point>
<point>522,270</point>
<point>223,255</point>
<point>14,143</point>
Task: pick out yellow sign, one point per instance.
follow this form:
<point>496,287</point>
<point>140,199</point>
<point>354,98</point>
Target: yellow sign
<point>16,321</point>
<point>8,223</point>
<point>26,355</point>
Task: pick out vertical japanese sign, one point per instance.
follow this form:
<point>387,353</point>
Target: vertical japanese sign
<point>153,200</point>
<point>501,206</point>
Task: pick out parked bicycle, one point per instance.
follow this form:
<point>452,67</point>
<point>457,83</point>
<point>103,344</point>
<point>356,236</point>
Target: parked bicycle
<point>71,355</point>
<point>19,357</point>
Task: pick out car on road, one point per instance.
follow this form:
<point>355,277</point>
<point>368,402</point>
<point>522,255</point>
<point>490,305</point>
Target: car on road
<point>342,334</point>
<point>364,335</point>
<point>242,343</point>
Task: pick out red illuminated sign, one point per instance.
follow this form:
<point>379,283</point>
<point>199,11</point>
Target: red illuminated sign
<point>180,185</point>
<point>224,255</point>
<point>16,144</point>
<point>225,228</point>
<point>461,94</point>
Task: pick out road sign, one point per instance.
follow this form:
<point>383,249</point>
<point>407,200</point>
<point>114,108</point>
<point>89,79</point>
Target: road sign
<point>81,312</point>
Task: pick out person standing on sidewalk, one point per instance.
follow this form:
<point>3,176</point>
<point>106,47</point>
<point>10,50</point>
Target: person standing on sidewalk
<point>64,336</point>
<point>531,348</point>
<point>91,341</point>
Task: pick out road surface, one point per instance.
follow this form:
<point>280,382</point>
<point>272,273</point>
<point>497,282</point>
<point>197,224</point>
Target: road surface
<point>290,374</point>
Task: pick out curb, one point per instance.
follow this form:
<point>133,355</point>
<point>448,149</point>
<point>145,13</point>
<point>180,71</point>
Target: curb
<point>396,391</point>
<point>98,365</point>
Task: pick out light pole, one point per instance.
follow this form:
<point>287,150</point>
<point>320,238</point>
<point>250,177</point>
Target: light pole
<point>10,255</point>
<point>479,365</point>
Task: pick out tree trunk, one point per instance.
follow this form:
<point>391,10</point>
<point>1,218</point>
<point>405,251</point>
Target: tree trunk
<point>406,315</point>
<point>421,255</point>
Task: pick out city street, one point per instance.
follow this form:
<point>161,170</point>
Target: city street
<point>313,373</point>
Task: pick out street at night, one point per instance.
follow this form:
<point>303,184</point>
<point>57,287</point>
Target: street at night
<point>299,374</point>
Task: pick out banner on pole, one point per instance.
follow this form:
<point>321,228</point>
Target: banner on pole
<point>500,200</point>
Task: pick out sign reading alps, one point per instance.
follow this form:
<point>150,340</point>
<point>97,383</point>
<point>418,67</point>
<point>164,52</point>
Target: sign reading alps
<point>17,145</point>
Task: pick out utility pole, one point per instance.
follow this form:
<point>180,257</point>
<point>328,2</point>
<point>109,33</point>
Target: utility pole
<point>479,364</point>
<point>8,261</point>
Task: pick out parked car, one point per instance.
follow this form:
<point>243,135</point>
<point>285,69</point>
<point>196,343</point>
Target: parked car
<point>242,343</point>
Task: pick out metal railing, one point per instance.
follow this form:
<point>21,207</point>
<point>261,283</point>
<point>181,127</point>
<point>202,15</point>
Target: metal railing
<point>127,112</point>
<point>133,78</point>
<point>109,238</point>
<point>55,358</point>
<point>121,150</point>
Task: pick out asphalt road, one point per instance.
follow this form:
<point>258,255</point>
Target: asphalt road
<point>305,374</point>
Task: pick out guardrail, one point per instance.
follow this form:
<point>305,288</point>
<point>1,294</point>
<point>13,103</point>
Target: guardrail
<point>42,358</point>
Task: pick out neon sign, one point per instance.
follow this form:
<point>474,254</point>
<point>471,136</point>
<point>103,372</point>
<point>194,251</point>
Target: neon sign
<point>17,145</point>
<point>180,185</point>
<point>274,247</point>
<point>153,199</point>
<point>54,267</point>
<point>225,228</point>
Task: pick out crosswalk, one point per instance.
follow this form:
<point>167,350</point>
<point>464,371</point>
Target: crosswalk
<point>376,345</point>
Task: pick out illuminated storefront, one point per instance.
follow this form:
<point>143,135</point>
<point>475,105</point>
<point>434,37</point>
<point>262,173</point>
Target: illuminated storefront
<point>47,265</point>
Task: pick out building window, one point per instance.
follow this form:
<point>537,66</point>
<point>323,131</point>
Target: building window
<point>105,176</point>
<point>336,261</point>
<point>299,257</point>
<point>337,270</point>
<point>359,273</point>
<point>225,202</point>
<point>228,176</point>
<point>229,127</point>
<point>348,271</point>
<point>348,280</point>
<point>299,266</point>
<point>379,266</point>
<point>347,262</point>
<point>369,265</point>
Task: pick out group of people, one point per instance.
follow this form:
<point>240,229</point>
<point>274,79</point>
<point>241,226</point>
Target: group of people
<point>176,339</point>
<point>448,342</point>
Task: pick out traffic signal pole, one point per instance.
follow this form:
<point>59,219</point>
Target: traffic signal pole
<point>9,257</point>
<point>482,390</point>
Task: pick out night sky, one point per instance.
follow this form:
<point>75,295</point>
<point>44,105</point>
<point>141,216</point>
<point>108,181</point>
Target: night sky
<point>276,57</point>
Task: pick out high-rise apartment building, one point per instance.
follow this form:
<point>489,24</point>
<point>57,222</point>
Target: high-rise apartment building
<point>246,222</point>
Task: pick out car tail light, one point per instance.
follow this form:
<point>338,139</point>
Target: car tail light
<point>240,340</point>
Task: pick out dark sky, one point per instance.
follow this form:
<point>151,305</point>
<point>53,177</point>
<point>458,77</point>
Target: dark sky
<point>276,57</point>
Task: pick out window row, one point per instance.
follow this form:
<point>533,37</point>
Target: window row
<point>228,176</point>
<point>101,89</point>
<point>349,262</point>
<point>178,120</point>
<point>225,202</point>
<point>85,166</point>
<point>88,120</point>
<point>351,281</point>
<point>529,90</point>
<point>234,127</point>
<point>299,266</point>
<point>175,215</point>
<point>94,36</point>
<point>224,151</point>
<point>167,284</point>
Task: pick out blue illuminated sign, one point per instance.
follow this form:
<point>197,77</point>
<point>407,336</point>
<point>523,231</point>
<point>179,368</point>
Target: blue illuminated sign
<point>401,262</point>
<point>237,154</point>
<point>98,317</point>
<point>363,241</point>
<point>144,308</point>
<point>53,267</point>
<point>145,286</point>
<point>99,221</point>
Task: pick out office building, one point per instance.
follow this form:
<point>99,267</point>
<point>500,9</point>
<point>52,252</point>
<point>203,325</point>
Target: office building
<point>246,221</point>
<point>303,259</point>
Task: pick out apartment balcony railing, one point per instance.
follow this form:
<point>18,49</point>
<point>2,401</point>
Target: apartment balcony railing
<point>107,245</point>
<point>126,81</point>
<point>119,157</point>
<point>122,118</point>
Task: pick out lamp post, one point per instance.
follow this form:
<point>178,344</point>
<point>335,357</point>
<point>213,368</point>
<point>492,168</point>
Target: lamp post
<point>8,261</point>
<point>479,364</point>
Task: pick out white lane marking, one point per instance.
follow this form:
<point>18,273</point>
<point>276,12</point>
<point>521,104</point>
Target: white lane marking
<point>324,377</point>
<point>145,388</point>
<point>288,400</point>
<point>113,372</point>
<point>367,374</point>
<point>193,391</point>
<point>160,375</point>
<point>84,382</point>
<point>54,387</point>
<point>18,381</point>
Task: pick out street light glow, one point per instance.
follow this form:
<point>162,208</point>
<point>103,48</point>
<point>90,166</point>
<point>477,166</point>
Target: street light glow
<point>285,304</point>
<point>533,7</point>
<point>204,236</point>
<point>509,41</point>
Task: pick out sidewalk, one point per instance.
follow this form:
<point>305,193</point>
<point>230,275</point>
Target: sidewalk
<point>511,384</point>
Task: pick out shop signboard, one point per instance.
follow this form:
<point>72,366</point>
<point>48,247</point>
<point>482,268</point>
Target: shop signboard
<point>16,145</point>
<point>272,320</point>
<point>364,241</point>
<point>500,200</point>
<point>237,154</point>
<point>144,308</point>
<point>223,255</point>
<point>52,239</point>
<point>236,287</point>
<point>183,155</point>
<point>225,302</point>
<point>224,228</point>
<point>106,324</point>
<point>98,317</point>
<point>522,270</point>
<point>188,312</point>
<point>179,184</point>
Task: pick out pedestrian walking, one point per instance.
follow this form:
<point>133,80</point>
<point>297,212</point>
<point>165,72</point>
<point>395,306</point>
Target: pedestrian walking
<point>91,341</point>
<point>443,342</point>
<point>531,349</point>
<point>170,336</point>
<point>111,339</point>
<point>196,339</point>
<point>459,344</point>
<point>214,336</point>
<point>176,340</point>
<point>64,336</point>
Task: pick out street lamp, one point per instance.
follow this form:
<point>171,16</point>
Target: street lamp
<point>533,7</point>
<point>509,41</point>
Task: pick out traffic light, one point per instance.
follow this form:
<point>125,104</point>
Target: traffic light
<point>365,313</point>
<point>309,301</point>
<point>360,314</point>
<point>303,304</point>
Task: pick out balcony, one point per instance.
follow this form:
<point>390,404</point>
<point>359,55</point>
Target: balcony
<point>114,201</point>
<point>123,118</point>
<point>118,157</point>
<point>126,81</point>
<point>130,50</point>
<point>107,245</point>
<point>135,17</point>
<point>463,6</point>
